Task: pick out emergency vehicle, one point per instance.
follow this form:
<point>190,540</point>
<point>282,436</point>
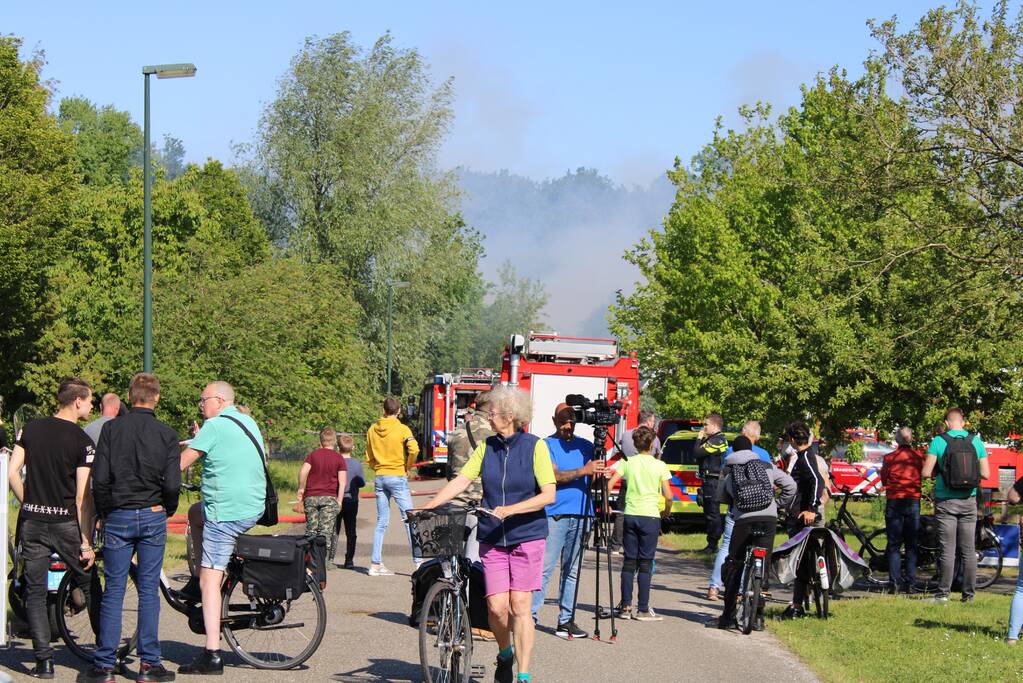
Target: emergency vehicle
<point>443,404</point>
<point>550,367</point>
<point>1005,463</point>
<point>678,447</point>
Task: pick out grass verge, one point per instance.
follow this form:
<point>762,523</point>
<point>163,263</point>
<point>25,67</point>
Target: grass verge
<point>689,543</point>
<point>904,639</point>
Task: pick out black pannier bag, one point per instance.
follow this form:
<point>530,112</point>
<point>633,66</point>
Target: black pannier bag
<point>479,617</point>
<point>273,566</point>
<point>432,570</point>
<point>422,578</point>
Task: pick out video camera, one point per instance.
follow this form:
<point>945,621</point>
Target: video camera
<point>600,412</point>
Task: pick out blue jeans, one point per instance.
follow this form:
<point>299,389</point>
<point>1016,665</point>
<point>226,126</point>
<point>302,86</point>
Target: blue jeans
<point>902,526</point>
<point>126,532</point>
<point>387,487</point>
<point>1016,611</point>
<point>565,543</point>
<point>719,559</point>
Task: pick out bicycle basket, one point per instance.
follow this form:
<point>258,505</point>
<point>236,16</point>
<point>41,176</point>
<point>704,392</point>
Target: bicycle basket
<point>438,533</point>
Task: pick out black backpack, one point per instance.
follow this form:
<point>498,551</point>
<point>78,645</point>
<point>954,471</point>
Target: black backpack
<point>961,466</point>
<point>752,486</point>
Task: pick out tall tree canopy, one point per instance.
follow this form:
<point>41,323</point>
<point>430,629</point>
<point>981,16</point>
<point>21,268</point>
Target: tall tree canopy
<point>344,173</point>
<point>842,262</point>
<point>38,186</point>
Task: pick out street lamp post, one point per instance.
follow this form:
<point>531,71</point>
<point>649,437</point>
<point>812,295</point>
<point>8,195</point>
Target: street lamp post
<point>391,286</point>
<point>161,71</point>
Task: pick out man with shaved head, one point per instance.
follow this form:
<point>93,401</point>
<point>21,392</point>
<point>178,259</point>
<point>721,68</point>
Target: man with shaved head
<point>109,408</point>
<point>233,493</point>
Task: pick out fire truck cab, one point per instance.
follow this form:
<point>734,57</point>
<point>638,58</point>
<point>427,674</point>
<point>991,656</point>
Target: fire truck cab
<point>550,367</point>
<point>443,405</point>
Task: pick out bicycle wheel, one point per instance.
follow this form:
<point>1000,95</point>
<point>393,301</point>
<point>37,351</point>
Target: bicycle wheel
<point>192,569</point>
<point>750,598</point>
<point>988,568</point>
<point>740,599</point>
<point>273,633</point>
<point>445,640</point>
<point>874,553</point>
<point>77,612</point>
<point>820,597</point>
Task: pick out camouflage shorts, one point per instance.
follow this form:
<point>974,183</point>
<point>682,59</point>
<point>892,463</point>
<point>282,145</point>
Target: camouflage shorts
<point>320,515</point>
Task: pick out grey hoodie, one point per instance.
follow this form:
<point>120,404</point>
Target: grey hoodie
<point>778,479</point>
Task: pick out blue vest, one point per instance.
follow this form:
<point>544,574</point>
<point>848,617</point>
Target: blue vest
<point>508,478</point>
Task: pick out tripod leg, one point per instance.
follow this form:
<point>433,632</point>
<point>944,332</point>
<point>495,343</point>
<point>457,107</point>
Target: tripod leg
<point>608,527</point>
<point>596,600</point>
<point>583,533</point>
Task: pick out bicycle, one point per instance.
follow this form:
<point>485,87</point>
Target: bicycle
<point>254,628</point>
<point>17,591</point>
<point>750,588</point>
<point>873,549</point>
<point>445,636</point>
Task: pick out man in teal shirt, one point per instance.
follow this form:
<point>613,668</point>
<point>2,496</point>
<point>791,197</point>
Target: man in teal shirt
<point>233,492</point>
<point>955,509</point>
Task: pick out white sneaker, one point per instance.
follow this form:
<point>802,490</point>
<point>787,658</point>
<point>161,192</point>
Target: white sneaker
<point>649,615</point>
<point>379,570</point>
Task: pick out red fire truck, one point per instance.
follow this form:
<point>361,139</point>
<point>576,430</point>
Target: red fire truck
<point>550,367</point>
<point>442,407</point>
<point>1005,463</point>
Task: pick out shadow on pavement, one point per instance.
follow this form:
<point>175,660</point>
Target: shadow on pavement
<point>399,618</point>
<point>382,670</point>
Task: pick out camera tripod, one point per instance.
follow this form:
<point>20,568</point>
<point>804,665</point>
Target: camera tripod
<point>603,525</point>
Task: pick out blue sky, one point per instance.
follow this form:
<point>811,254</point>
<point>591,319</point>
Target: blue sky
<point>540,87</point>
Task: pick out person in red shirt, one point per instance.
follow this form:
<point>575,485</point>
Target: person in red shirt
<point>321,489</point>
<point>901,474</point>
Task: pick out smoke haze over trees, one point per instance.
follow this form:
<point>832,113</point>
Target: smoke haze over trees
<point>568,232</point>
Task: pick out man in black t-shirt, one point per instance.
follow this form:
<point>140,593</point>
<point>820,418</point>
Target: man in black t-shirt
<point>56,507</point>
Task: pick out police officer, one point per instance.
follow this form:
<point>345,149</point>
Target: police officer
<point>710,453</point>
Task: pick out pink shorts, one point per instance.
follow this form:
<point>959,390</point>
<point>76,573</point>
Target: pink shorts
<point>515,568</point>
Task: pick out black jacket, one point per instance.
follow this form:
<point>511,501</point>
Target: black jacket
<point>710,455</point>
<point>138,464</point>
<point>809,480</point>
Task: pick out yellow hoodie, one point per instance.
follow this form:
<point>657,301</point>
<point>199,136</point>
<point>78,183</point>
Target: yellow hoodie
<point>390,447</point>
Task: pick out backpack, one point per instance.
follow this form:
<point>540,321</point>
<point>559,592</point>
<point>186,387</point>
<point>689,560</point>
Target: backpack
<point>752,487</point>
<point>960,467</point>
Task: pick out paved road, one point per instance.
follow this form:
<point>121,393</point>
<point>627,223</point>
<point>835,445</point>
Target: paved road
<point>368,637</point>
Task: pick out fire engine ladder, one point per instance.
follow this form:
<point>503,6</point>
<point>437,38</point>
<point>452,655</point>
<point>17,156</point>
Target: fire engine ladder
<point>582,349</point>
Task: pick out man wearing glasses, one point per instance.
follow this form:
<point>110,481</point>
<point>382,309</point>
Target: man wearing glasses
<point>233,494</point>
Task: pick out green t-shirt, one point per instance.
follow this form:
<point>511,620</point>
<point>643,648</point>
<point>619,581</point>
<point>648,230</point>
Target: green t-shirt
<point>645,473</point>
<point>233,484</point>
<point>937,449</point>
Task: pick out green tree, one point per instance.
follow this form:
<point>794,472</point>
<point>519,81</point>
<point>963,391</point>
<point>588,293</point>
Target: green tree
<point>37,193</point>
<point>476,336</point>
<point>171,157</point>
<point>344,173</point>
<point>108,144</point>
<point>813,267</point>
<point>280,330</point>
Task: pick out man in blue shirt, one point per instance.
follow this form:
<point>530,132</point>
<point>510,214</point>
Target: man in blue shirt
<point>568,517</point>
